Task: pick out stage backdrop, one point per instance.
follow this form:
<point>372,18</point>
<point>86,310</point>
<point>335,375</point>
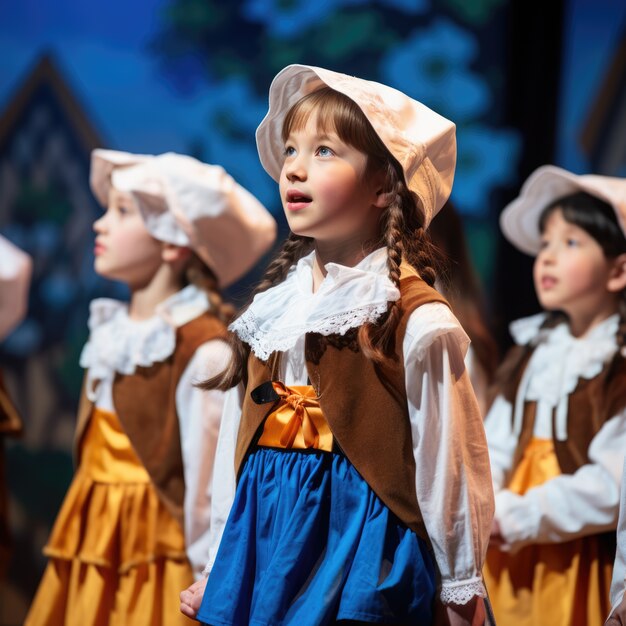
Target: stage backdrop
<point>523,87</point>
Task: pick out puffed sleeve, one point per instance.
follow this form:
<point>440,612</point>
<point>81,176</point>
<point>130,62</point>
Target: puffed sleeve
<point>570,505</point>
<point>453,480</point>
<point>15,273</point>
<point>199,414</point>
<point>224,479</point>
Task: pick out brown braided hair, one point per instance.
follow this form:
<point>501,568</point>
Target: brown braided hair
<point>401,229</point>
<point>597,218</point>
<point>197,273</point>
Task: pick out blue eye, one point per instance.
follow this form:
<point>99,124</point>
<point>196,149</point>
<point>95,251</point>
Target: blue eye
<point>324,151</point>
<point>289,151</point>
<point>572,243</point>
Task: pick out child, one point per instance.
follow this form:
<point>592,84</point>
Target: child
<point>557,430</point>
<point>133,526</point>
<point>363,476</point>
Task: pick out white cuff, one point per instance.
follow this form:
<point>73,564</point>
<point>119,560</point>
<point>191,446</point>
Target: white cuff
<point>462,591</point>
<point>518,523</point>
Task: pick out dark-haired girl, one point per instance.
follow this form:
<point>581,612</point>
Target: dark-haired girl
<point>557,430</point>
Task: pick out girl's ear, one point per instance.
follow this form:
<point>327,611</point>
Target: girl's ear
<point>171,253</point>
<point>617,278</point>
<point>383,199</point>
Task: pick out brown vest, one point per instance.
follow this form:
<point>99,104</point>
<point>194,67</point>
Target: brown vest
<point>590,405</point>
<point>365,406</point>
<point>145,403</point>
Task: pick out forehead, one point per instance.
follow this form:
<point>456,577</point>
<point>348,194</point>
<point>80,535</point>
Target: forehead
<point>322,114</point>
<point>116,195</point>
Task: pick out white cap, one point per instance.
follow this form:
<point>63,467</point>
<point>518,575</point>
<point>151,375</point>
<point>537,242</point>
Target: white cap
<point>422,141</point>
<point>520,218</point>
<point>189,203</point>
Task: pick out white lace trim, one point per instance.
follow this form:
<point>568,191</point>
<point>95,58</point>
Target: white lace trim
<point>119,344</point>
<point>527,330</point>
<point>463,591</point>
<point>263,344</point>
<point>347,298</point>
<point>576,359</point>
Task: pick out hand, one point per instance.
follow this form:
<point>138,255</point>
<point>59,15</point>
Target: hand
<point>191,598</point>
<point>618,616</point>
<point>496,540</point>
<point>471,614</point>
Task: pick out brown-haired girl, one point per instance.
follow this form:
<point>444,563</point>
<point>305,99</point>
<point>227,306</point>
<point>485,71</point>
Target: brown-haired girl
<point>352,478</point>
<point>133,527</point>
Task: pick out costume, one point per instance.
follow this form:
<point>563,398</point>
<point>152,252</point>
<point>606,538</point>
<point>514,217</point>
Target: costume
<point>556,437</point>
<point>120,539</point>
<point>133,529</point>
<point>308,538</point>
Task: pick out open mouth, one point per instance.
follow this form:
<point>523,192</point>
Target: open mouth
<point>296,200</point>
<point>547,282</point>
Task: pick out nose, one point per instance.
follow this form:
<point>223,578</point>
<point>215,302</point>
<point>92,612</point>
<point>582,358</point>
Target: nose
<point>99,226</point>
<point>547,255</point>
<point>295,169</point>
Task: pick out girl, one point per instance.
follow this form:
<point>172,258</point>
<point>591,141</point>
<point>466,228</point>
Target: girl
<point>557,430</point>
<point>133,526</point>
<point>363,477</point>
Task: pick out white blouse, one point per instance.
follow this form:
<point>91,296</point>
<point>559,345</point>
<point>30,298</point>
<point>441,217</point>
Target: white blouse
<point>452,481</point>
<point>569,505</point>
<point>15,273</point>
<point>118,344</point>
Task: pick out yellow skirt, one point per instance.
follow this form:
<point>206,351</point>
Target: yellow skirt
<point>562,584</point>
<point>117,555</point>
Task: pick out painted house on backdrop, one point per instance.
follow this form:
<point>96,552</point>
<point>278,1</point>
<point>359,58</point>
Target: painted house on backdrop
<point>47,209</point>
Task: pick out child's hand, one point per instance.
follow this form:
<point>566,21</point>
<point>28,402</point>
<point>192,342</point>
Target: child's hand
<point>191,598</point>
<point>496,540</point>
<point>470,614</point>
<point>618,617</point>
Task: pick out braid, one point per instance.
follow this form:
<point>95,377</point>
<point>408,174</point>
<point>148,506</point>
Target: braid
<point>405,239</point>
<point>293,249</point>
<point>198,274</point>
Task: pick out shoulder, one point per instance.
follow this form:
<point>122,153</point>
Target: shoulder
<point>209,359</point>
<point>433,323</point>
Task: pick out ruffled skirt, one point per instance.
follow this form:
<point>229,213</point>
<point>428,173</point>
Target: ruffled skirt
<point>309,543</point>
<point>117,555</point>
<point>558,584</point>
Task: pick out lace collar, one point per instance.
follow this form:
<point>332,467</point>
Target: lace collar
<point>559,361</point>
<point>119,344</point>
<point>347,298</point>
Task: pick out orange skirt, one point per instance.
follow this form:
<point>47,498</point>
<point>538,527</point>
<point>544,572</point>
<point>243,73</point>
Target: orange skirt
<point>562,584</point>
<point>117,555</point>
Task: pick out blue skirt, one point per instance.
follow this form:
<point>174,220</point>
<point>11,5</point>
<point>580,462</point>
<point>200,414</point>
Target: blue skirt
<point>308,543</point>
